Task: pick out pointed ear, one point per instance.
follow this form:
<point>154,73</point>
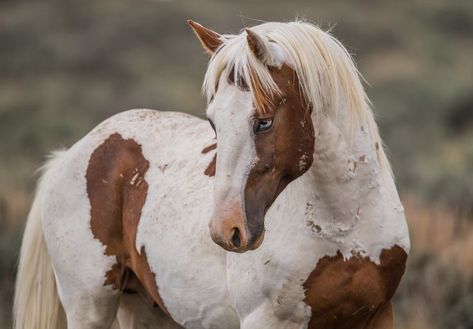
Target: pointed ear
<point>259,47</point>
<point>209,39</point>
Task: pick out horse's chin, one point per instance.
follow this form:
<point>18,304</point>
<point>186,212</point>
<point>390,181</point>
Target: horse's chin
<point>257,242</point>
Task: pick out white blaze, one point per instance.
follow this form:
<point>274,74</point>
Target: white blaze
<point>232,114</point>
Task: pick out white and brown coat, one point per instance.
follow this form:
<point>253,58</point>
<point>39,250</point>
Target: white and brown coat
<point>308,205</point>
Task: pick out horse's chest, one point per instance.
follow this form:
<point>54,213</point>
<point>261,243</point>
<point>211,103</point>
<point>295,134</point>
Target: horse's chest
<point>347,293</point>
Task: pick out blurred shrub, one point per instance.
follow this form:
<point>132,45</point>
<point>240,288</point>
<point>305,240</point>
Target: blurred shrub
<point>437,289</point>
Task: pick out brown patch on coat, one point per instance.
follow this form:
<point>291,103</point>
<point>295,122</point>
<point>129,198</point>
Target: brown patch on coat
<point>383,319</point>
<point>210,170</point>
<point>283,153</point>
<point>354,293</point>
<point>209,148</point>
<point>117,192</point>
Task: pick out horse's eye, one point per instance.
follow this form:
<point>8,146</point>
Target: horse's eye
<point>263,125</point>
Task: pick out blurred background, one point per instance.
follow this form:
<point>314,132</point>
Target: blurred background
<point>65,65</point>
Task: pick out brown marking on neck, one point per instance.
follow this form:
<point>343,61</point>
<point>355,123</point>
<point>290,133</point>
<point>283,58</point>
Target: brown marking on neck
<point>354,293</point>
<point>117,192</point>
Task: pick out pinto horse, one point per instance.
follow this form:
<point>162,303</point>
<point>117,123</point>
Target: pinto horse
<point>290,177</point>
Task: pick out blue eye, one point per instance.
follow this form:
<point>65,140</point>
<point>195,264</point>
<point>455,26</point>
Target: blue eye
<point>263,125</point>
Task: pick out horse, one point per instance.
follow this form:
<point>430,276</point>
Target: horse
<point>281,211</point>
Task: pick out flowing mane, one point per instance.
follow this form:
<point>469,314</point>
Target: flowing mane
<point>328,77</point>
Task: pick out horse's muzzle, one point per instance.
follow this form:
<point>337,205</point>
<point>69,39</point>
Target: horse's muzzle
<point>229,230</point>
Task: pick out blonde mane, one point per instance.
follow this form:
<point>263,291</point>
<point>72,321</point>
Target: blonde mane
<point>328,77</point>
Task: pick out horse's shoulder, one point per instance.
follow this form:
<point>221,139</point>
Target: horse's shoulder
<point>351,290</point>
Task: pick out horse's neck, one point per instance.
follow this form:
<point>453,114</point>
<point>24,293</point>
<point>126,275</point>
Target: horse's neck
<point>350,203</point>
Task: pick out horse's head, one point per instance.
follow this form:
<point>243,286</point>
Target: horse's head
<point>265,135</point>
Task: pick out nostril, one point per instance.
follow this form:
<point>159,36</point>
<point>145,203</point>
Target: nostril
<point>236,238</point>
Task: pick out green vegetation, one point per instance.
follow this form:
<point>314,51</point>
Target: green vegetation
<point>65,65</point>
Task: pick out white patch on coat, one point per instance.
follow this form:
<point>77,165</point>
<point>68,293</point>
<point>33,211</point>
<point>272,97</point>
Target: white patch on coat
<point>78,258</point>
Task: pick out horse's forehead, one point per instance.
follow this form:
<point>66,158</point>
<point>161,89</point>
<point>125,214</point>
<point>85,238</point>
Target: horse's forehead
<point>230,103</point>
<point>234,101</point>
<point>286,78</point>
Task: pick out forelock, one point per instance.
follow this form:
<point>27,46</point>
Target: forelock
<point>237,62</point>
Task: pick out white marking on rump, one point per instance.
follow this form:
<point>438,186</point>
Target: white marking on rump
<point>78,258</point>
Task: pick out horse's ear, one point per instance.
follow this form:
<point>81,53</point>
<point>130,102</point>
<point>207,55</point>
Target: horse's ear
<point>209,39</point>
<point>259,47</point>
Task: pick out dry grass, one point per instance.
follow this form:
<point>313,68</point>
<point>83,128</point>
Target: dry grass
<point>436,291</point>
<point>435,229</point>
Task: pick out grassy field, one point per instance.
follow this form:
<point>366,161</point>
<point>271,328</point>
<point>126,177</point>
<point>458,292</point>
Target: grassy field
<point>436,291</point>
<point>65,65</point>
